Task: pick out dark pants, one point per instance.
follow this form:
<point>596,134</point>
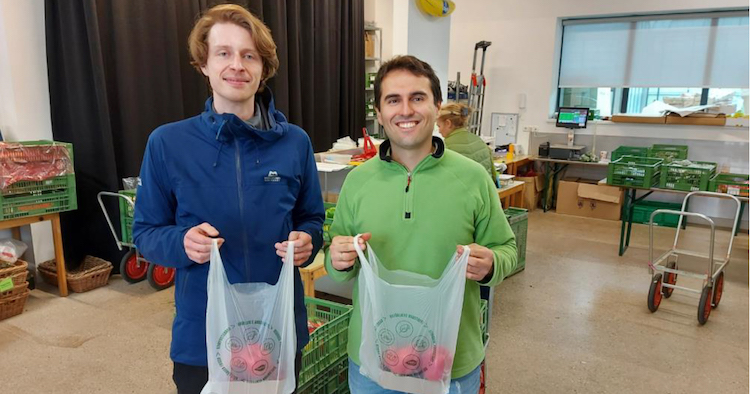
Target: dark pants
<point>190,379</point>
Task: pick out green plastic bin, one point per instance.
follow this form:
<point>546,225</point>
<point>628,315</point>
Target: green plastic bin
<point>328,221</point>
<point>640,151</point>
<point>518,218</point>
<point>642,213</point>
<point>734,184</point>
<point>31,198</point>
<point>669,153</point>
<point>332,380</point>
<point>328,342</point>
<point>634,171</point>
<point>693,177</point>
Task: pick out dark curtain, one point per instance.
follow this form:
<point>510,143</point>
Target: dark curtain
<point>120,68</point>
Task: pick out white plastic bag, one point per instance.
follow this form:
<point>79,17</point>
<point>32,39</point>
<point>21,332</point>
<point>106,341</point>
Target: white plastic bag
<point>11,249</point>
<point>250,334</point>
<point>409,324</point>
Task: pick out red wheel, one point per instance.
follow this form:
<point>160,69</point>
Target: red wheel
<point>704,307</point>
<point>654,293</point>
<point>160,277</point>
<point>718,289</point>
<point>132,268</point>
<point>670,278</point>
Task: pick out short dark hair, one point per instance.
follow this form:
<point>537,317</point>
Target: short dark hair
<point>412,65</point>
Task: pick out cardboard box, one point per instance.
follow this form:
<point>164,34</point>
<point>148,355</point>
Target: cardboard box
<point>639,119</point>
<point>369,45</point>
<point>701,119</point>
<point>532,191</point>
<point>332,197</point>
<point>589,199</point>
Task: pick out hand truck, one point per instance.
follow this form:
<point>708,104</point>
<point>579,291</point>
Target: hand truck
<point>133,267</point>
<point>665,270</point>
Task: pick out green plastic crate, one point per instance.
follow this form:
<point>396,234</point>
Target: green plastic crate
<point>518,218</point>
<point>126,217</point>
<point>333,380</point>
<point>639,151</point>
<point>642,213</point>
<point>33,204</point>
<point>687,178</point>
<point>327,222</point>
<point>669,152</point>
<point>328,342</point>
<point>734,184</point>
<point>634,171</point>
<point>30,198</point>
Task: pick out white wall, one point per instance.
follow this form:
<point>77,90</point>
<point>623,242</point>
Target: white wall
<point>525,47</point>
<point>409,31</point>
<point>24,90</point>
<point>524,58</point>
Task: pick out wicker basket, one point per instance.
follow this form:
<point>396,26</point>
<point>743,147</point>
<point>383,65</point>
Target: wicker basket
<point>93,273</point>
<point>18,268</point>
<point>16,290</point>
<point>12,306</point>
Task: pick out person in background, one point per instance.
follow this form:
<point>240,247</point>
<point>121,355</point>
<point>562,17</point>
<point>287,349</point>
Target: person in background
<point>238,172</point>
<point>416,203</point>
<point>451,122</point>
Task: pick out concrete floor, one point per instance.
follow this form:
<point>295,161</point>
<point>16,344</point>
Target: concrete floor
<point>574,321</point>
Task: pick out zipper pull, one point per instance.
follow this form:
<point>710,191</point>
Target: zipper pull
<point>408,182</point>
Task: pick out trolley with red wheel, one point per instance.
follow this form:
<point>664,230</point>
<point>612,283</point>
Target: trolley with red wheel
<point>133,267</point>
<point>664,269</point>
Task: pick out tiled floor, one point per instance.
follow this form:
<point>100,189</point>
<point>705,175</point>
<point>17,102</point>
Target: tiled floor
<point>574,321</point>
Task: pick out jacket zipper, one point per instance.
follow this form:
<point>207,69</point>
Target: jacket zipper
<point>407,196</point>
<point>238,164</point>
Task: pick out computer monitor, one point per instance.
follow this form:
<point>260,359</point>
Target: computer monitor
<point>572,118</point>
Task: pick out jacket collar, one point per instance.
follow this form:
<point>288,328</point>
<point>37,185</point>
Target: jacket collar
<point>226,126</point>
<point>437,143</point>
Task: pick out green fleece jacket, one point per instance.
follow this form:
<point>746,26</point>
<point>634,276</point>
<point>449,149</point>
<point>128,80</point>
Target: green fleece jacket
<point>471,146</point>
<point>416,221</point>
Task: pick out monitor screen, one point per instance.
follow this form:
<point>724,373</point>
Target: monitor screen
<point>574,118</point>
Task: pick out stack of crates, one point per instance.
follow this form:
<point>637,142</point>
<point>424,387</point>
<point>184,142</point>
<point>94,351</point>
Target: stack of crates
<point>518,218</point>
<point>31,198</point>
<point>126,216</point>
<point>634,171</point>
<point>325,361</point>
<point>692,177</point>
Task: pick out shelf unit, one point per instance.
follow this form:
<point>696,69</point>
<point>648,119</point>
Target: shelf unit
<point>372,64</point>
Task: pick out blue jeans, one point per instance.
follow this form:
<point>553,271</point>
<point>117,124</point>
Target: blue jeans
<point>359,384</point>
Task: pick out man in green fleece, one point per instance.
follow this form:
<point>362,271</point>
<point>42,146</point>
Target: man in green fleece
<point>416,204</point>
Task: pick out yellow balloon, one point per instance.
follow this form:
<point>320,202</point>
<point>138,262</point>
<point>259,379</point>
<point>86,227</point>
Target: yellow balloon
<point>437,8</point>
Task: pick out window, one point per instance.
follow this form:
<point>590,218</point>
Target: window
<point>623,65</point>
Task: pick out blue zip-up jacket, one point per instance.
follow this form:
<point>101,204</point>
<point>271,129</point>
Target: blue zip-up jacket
<point>253,186</point>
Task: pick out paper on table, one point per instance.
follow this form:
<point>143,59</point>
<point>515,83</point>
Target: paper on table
<point>330,167</point>
<point>658,108</point>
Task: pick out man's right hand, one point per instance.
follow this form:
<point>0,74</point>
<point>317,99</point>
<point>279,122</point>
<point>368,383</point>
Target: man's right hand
<point>342,250</point>
<point>198,242</point>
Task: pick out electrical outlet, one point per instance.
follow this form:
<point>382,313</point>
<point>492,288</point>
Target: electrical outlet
<point>531,129</point>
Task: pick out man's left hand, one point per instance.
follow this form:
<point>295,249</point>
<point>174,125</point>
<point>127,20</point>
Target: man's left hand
<point>481,262</point>
<point>302,247</point>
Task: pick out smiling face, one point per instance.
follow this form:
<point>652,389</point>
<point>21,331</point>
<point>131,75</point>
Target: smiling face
<point>407,111</point>
<point>233,67</point>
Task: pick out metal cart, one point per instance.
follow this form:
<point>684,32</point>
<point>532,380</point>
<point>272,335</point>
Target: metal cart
<point>133,267</point>
<point>665,270</point>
